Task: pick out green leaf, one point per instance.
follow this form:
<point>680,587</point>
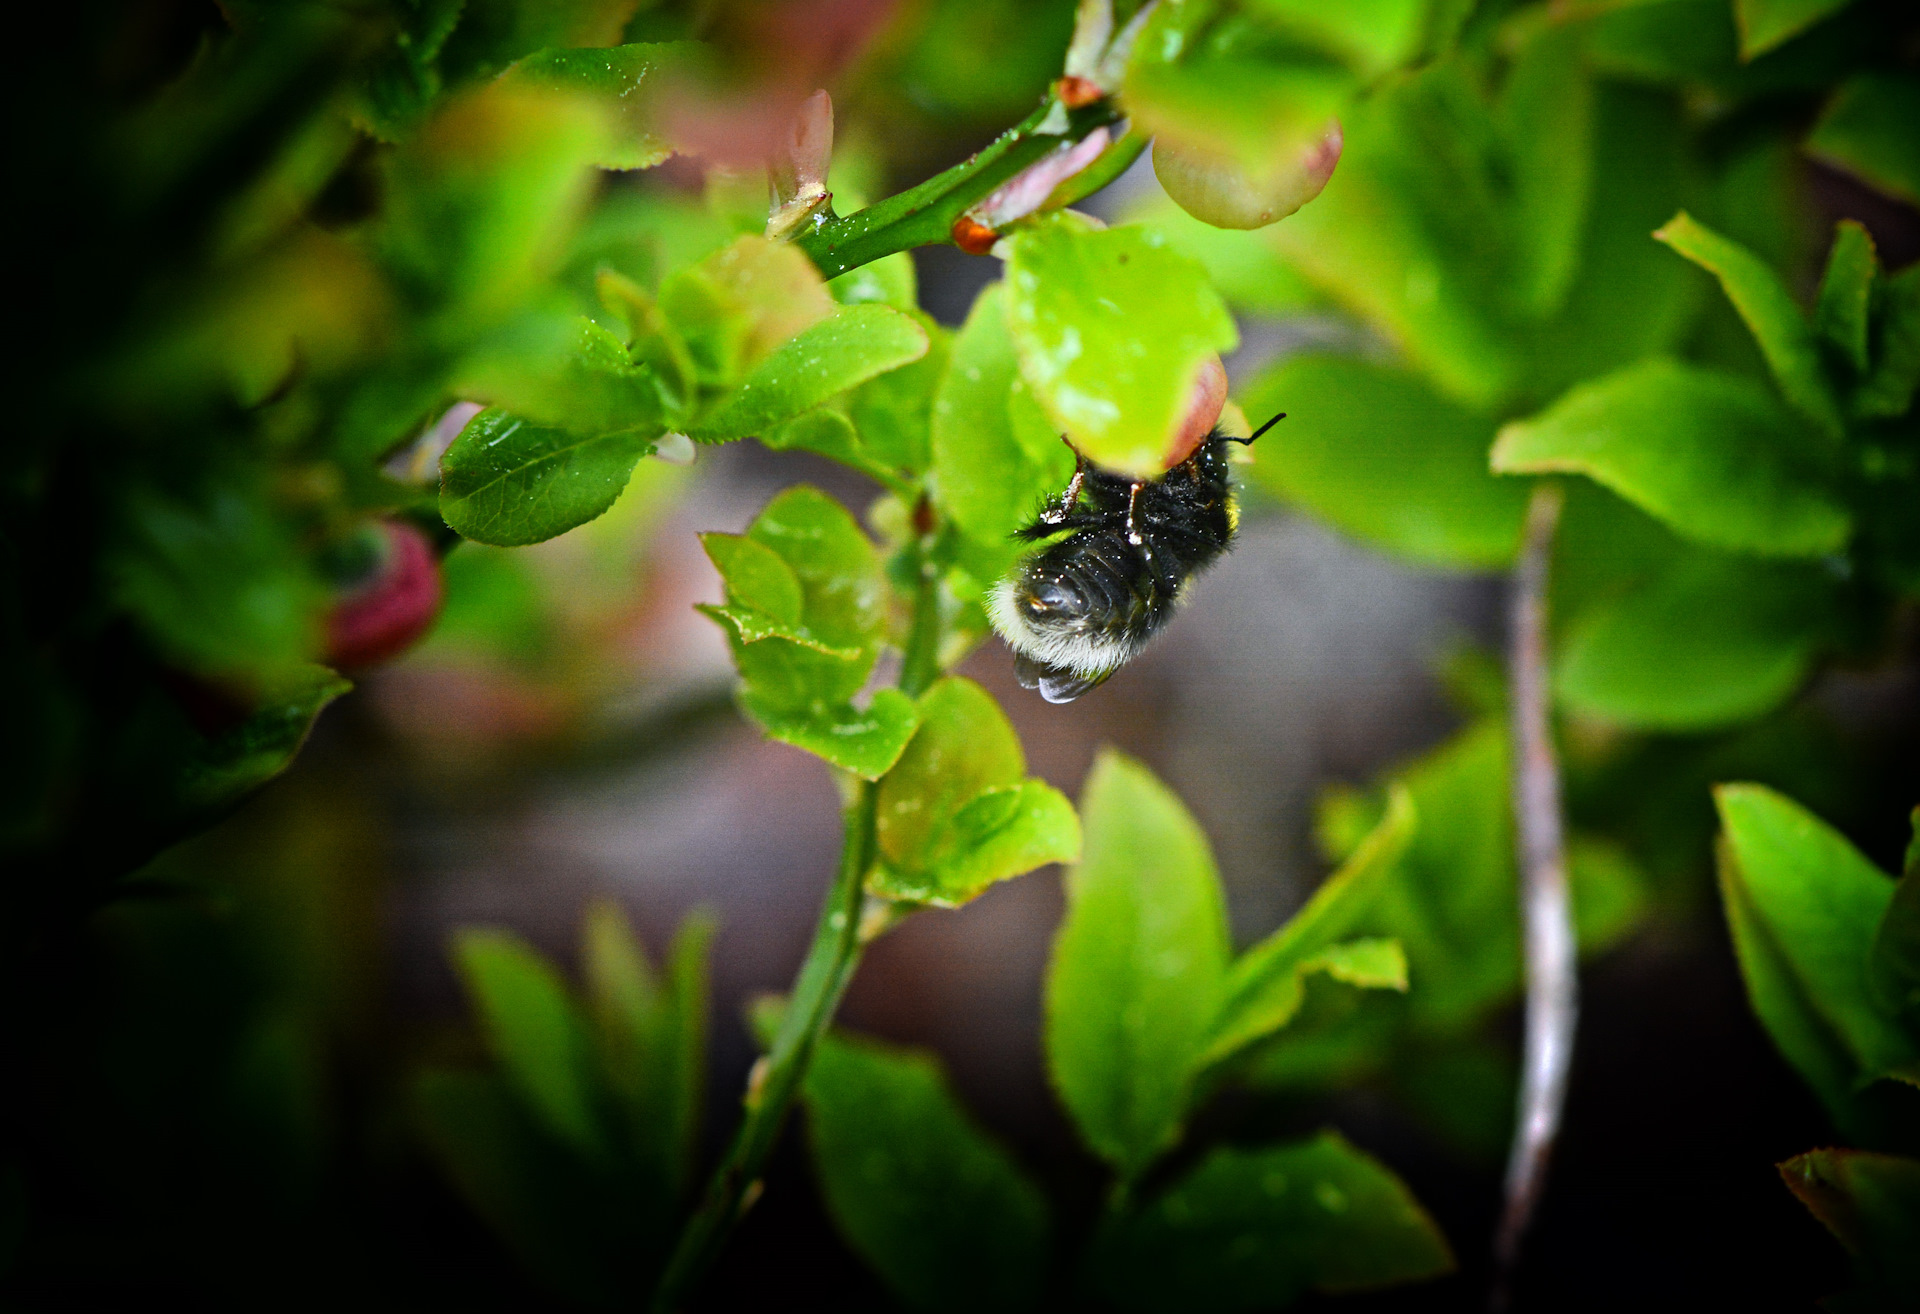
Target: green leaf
<point>1242,266</point>
<point>223,768</point>
<point>1710,641</point>
<point>683,1051</point>
<point>1451,903</point>
<point>1376,452</point>
<point>1786,338</point>
<point>940,1210</point>
<point>999,834</point>
<point>624,82</point>
<point>801,670</point>
<point>217,582</point>
<point>1765,24</point>
<point>1710,454</point>
<point>1340,1037</point>
<point>1372,35</point>
<point>1803,1037</point>
<point>479,201</point>
<point>829,433</point>
<point>956,814</point>
<point>1611,893</point>
<point>1077,303</point>
<point>1888,391</point>
<point>965,746</point>
<point>1451,900</point>
<point>1137,968</point>
<point>1547,110</point>
<point>1256,1229</point>
<point>736,306</point>
<point>1267,984</point>
<point>508,481</point>
<point>1846,294</point>
<point>834,561</point>
<point>989,475</point>
<point>535,1033</point>
<point>1413,233</point>
<point>894,412</point>
<point>1871,1203</point>
<point>494,33</point>
<point>1696,45</point>
<point>620,985</point>
<point>1867,131</point>
<point>888,281</point>
<point>1605,547</point>
<point>762,585</point>
<point>1895,964</point>
<point>402,81</point>
<point>865,742</point>
<point>1629,298</point>
<point>1273,1002</point>
<point>1255,98</point>
<point>824,360</point>
<point>562,372</point>
<point>651,1040</point>
<point>1804,906</point>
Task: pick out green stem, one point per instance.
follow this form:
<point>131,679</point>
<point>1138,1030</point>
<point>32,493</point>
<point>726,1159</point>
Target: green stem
<point>924,215</point>
<point>824,976</point>
<point>920,663</point>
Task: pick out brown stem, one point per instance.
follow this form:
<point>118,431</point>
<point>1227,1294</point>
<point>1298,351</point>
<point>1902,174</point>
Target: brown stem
<point>1545,907</point>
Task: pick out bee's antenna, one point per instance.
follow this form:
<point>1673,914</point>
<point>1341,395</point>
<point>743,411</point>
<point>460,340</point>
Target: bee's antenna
<point>1248,442</point>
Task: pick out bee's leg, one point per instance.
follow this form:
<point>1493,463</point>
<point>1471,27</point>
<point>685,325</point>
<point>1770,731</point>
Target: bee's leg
<point>1070,498</point>
<point>1133,497</point>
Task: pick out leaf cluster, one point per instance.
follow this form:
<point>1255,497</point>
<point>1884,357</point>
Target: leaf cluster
<point>577,1144</point>
<point>1492,224</point>
<point>1146,1006</point>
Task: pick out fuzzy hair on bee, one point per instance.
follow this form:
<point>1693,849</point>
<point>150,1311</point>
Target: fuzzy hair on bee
<point>1122,555</point>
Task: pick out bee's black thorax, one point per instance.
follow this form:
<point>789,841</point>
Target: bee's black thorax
<point>1130,553</point>
<point>1130,548</point>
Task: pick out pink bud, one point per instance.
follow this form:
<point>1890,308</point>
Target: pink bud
<point>386,613</point>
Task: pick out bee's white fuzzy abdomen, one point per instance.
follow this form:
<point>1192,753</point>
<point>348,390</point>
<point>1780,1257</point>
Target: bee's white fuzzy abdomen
<point>1089,655</point>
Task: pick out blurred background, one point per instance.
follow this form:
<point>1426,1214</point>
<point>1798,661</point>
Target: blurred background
<point>564,732</point>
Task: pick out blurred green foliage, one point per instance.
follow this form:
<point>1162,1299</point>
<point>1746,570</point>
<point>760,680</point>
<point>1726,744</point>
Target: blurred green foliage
<point>1828,945</point>
<point>578,1151</point>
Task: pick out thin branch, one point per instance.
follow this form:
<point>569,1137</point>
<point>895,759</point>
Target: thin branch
<point>1545,907</point>
<point>920,662</point>
<point>924,215</point>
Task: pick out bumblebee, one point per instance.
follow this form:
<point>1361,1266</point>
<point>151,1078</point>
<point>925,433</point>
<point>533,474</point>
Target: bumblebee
<point>1083,606</point>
